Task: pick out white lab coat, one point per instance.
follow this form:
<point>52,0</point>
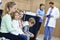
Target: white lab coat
<point>55,14</point>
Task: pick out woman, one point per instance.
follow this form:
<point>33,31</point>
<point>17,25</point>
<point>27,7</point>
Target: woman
<point>6,27</point>
<point>40,14</point>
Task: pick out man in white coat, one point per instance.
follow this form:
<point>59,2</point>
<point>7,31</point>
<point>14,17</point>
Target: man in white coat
<point>50,23</point>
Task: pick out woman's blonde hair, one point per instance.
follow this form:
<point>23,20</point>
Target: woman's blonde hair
<point>8,5</point>
<point>20,11</point>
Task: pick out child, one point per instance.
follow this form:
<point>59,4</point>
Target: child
<point>15,24</point>
<point>21,13</point>
<point>27,25</point>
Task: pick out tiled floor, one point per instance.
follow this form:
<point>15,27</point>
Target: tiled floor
<point>41,38</point>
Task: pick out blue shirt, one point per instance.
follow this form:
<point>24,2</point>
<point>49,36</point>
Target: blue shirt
<point>41,13</point>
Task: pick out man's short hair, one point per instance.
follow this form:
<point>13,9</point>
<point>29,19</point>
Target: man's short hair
<point>51,3</point>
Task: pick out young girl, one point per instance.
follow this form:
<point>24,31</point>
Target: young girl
<point>21,13</point>
<point>27,25</point>
<point>20,20</point>
<point>15,24</point>
<point>6,27</point>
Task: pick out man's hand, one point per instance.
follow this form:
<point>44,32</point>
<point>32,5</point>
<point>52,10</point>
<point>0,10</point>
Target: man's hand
<point>49,16</point>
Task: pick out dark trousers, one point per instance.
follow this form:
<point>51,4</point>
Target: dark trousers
<point>23,36</point>
<point>11,36</point>
<point>39,26</point>
<point>35,32</point>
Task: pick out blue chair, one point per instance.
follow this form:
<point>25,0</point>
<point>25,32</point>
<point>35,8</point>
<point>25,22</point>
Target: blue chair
<point>33,29</point>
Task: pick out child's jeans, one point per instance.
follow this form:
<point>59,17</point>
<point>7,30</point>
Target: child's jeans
<point>23,36</point>
<point>28,38</point>
<point>48,33</point>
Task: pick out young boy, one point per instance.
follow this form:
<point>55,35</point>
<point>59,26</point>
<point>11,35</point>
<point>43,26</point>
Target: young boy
<point>27,25</point>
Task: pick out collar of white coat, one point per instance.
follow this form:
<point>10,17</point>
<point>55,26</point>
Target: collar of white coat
<point>53,8</point>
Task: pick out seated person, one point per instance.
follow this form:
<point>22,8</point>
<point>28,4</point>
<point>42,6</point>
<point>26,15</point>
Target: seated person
<point>15,24</point>
<point>27,25</point>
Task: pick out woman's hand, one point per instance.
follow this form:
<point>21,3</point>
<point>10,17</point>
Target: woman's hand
<point>3,38</point>
<point>38,15</point>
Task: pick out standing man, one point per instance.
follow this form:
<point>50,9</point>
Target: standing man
<point>50,23</point>
<point>40,14</point>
